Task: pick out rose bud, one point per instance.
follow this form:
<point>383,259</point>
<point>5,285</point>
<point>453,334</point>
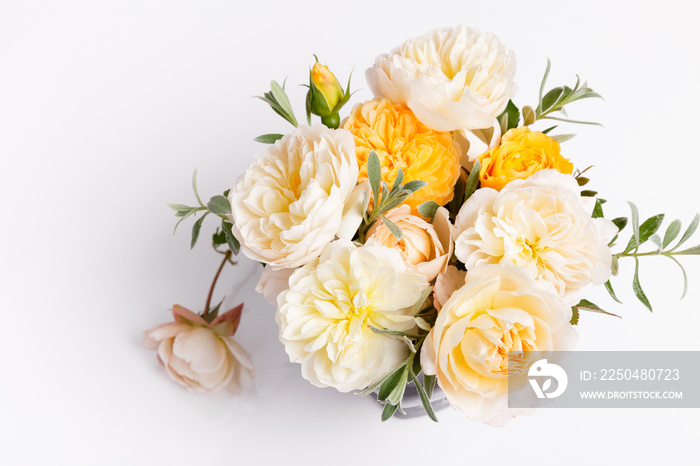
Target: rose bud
<point>326,96</point>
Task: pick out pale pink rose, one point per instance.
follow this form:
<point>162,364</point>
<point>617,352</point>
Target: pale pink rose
<point>425,248</point>
<point>273,282</point>
<point>447,283</point>
<point>199,356</point>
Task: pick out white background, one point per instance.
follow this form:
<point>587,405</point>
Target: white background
<point>107,107</point>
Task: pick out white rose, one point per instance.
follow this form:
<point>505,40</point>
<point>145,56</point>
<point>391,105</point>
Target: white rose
<point>199,356</point>
<point>451,78</point>
<point>500,309</point>
<point>325,316</point>
<point>290,203</point>
<point>542,224</point>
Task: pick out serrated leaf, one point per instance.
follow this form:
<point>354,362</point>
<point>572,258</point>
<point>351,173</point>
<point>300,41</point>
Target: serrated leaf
<point>689,232</point>
<point>574,316</point>
<point>512,115</point>
<point>414,185</point>
<point>429,382</point>
<point>374,174</point>
<point>424,398</point>
<point>685,276</point>
<point>196,228</point>
<point>233,244</point>
<point>219,205</point>
<point>392,227</point>
<point>671,233</point>
<point>473,180</point>
<point>637,287</point>
<point>388,411</point>
<point>428,209</point>
<point>611,291</point>
<point>269,138</point>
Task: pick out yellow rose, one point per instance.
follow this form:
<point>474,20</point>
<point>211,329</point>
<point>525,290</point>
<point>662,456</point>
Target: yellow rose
<point>401,141</point>
<point>521,153</point>
<point>424,247</point>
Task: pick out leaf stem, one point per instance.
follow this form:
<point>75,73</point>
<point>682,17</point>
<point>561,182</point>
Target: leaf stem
<point>213,283</point>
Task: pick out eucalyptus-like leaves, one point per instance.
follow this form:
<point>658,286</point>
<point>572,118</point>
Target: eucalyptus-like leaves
<point>219,206</point>
<point>383,198</point>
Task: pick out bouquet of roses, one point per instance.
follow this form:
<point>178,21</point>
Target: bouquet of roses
<point>420,240</point>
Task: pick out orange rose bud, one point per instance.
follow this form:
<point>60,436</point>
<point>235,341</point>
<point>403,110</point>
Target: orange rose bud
<point>521,153</point>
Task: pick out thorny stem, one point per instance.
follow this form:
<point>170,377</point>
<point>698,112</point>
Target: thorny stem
<point>227,256</point>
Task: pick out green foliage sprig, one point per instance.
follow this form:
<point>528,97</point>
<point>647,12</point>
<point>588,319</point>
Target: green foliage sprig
<point>383,198</point>
<point>646,233</point>
<point>219,206</point>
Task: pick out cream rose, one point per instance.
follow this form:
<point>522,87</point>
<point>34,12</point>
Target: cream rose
<point>425,248</point>
<point>499,309</point>
<point>542,224</point>
<point>452,79</point>
<point>199,356</point>
<point>290,203</point>
<point>325,316</point>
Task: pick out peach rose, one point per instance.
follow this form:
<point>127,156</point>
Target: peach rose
<point>199,356</point>
<point>425,248</point>
<point>522,153</point>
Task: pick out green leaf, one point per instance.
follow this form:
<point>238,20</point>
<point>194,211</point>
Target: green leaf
<point>685,276</point>
<point>567,120</point>
<point>656,239</point>
<point>421,300</point>
<point>195,229</point>
<point>647,229</point>
<point>194,188</point>
<point>563,137</point>
<point>582,180</point>
<point>635,229</point>
<point>183,217</point>
<point>391,382</point>
<point>424,398</point>
<point>586,305</point>
<point>614,266</point>
<point>574,316</point>
<point>671,233</point>
<point>181,207</point>
<point>548,130</point>
<point>374,174</point>
<point>428,209</point>
<point>637,287</point>
<point>281,98</point>
<point>394,201</point>
<point>233,244</point>
<point>269,138</point>
<point>588,193</point>
<point>620,223</point>
<point>219,205</point>
<point>611,292</point>
<point>429,381</point>
<point>544,81</point>
<point>219,237</point>
<point>598,209</point>
<point>691,251</point>
<point>528,115</point>
<point>393,228</point>
<point>396,333</point>
<point>414,185</point>
<point>388,411</point>
<point>399,387</point>
<point>473,180</point>
<point>551,99</point>
<point>511,115</point>
<point>689,232</point>
<point>397,182</point>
